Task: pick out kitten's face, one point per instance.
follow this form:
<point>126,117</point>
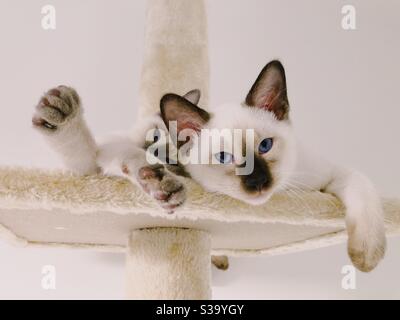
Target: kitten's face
<point>269,154</point>
<point>268,151</point>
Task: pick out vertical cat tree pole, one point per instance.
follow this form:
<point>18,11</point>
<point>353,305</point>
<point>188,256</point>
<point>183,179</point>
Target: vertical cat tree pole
<point>171,263</point>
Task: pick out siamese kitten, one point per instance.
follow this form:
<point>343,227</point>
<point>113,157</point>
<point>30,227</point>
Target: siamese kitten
<point>279,161</point>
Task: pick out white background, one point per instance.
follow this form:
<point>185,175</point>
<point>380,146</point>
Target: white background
<point>343,88</point>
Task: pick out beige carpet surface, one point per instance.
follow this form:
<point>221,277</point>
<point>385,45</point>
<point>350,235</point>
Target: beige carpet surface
<point>98,212</point>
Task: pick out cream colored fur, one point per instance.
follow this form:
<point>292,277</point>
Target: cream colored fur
<point>176,52</point>
<point>169,263</point>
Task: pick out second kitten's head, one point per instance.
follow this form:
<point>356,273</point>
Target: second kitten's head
<point>253,153</point>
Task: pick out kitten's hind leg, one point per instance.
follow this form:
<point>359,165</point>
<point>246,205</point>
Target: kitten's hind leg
<point>165,187</point>
<point>121,156</point>
<point>364,218</point>
<point>59,117</point>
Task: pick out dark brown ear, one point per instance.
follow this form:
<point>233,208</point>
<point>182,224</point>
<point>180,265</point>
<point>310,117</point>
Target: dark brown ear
<point>269,91</point>
<point>186,114</point>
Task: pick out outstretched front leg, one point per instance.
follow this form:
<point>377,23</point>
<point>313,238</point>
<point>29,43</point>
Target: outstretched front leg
<point>364,213</point>
<point>364,217</point>
<point>59,117</point>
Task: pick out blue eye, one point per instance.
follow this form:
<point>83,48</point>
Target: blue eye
<point>265,145</point>
<point>224,157</point>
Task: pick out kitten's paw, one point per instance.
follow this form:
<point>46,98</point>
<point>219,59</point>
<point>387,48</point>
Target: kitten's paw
<point>164,187</point>
<point>220,262</point>
<point>56,108</point>
<point>366,249</point>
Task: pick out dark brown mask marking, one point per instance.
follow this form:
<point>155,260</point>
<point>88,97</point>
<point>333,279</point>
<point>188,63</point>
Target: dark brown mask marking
<point>260,179</point>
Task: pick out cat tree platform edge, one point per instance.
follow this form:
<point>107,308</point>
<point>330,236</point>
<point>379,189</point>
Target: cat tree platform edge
<point>41,208</point>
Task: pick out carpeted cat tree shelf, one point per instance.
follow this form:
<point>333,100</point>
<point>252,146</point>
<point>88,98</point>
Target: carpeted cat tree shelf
<point>168,256</point>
